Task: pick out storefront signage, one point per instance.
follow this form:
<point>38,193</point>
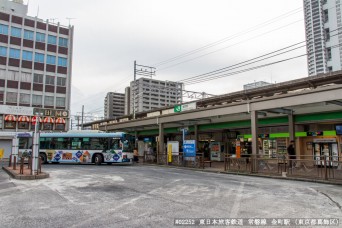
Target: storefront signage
<point>317,133</point>
<point>189,148</point>
<point>16,110</point>
<point>50,112</point>
<point>324,140</point>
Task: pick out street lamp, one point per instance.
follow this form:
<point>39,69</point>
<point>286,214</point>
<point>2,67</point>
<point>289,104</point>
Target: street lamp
<point>35,148</point>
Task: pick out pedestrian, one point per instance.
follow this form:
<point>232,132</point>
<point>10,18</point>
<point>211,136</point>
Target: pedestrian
<point>135,155</point>
<point>292,153</point>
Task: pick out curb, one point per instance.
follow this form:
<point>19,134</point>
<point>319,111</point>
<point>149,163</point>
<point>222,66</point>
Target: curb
<point>14,175</point>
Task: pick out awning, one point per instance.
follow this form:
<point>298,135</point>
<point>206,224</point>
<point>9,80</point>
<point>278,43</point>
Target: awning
<point>60,120</point>
<point>33,119</point>
<point>10,118</point>
<point>24,119</point>
<point>48,120</point>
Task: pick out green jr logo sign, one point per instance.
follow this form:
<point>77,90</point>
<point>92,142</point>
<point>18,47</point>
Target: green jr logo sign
<point>177,108</point>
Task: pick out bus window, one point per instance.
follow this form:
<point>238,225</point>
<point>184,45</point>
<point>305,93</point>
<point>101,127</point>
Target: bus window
<point>86,145</point>
<point>115,144</point>
<point>76,143</point>
<point>98,143</point>
<point>25,143</point>
<point>127,146</point>
<point>62,143</point>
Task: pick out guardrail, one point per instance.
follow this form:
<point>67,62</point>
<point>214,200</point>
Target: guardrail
<point>322,167</point>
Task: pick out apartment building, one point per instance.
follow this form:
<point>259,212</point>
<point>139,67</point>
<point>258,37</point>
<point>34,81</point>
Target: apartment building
<point>323,26</point>
<point>148,94</point>
<point>35,70</point>
<point>114,105</point>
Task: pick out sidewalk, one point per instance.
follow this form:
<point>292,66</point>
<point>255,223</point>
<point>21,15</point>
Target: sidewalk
<point>26,173</point>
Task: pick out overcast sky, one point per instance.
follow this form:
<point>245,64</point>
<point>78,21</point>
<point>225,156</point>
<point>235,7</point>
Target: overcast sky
<point>111,34</point>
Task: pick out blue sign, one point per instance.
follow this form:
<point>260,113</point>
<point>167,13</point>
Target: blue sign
<point>189,148</point>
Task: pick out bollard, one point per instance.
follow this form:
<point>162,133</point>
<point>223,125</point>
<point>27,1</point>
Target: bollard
<point>40,165</point>
<point>10,161</point>
<point>15,163</point>
<point>21,166</point>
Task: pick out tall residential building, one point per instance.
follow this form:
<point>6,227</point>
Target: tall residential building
<point>149,94</point>
<point>323,21</point>
<point>35,70</point>
<point>114,105</point>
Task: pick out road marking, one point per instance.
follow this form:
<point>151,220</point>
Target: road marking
<point>236,206</point>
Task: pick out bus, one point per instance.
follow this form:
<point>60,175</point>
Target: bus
<point>80,147</point>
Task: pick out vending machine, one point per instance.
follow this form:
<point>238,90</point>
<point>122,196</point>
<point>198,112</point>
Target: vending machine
<point>217,150</point>
<point>325,149</point>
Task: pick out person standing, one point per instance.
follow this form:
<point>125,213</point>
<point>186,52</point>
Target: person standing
<point>292,153</point>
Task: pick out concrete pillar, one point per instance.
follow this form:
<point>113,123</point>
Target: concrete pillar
<point>255,150</point>
<point>254,123</point>
<point>161,139</point>
<point>196,136</point>
<point>291,127</point>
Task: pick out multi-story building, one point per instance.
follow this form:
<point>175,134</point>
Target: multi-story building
<point>148,94</point>
<point>114,105</point>
<point>323,23</point>
<point>35,70</point>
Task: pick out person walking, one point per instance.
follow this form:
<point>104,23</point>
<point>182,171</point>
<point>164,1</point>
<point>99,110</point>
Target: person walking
<point>292,153</point>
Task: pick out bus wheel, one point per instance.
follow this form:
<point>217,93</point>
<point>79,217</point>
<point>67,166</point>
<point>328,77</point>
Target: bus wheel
<point>98,159</point>
<point>43,158</point>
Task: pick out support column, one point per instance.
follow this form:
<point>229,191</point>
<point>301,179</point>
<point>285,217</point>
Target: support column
<point>254,123</point>
<point>291,127</point>
<point>196,136</point>
<point>161,141</point>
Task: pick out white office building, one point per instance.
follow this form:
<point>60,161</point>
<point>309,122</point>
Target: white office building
<point>149,94</point>
<point>323,25</point>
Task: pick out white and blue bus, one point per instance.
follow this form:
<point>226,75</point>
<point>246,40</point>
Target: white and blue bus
<point>80,147</point>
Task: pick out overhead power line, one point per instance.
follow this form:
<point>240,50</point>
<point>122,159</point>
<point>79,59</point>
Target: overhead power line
<point>273,20</point>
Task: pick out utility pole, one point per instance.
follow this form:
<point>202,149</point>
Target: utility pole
<point>78,122</point>
<point>82,117</point>
<point>140,70</point>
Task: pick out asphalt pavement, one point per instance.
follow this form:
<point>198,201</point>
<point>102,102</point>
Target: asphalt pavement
<point>152,196</point>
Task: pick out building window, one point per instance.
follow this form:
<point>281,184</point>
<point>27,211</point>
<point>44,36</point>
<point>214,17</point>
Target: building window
<point>38,78</point>
<point>4,29</point>
<point>61,81</point>
<point>60,101</point>
<point>51,59</point>
<point>62,62</point>
<point>327,34</point>
<point>49,80</point>
<point>52,39</point>
<point>330,69</point>
<point>28,35</point>
<point>48,101</point>
<point>39,58</point>
<point>329,53</point>
<point>16,32</point>
<point>14,53</point>
<point>11,97</point>
<point>326,16</point>
<point>10,124</point>
<point>24,98</point>
<point>27,55</point>
<point>23,125</point>
<point>63,42</point>
<point>26,77</point>
<point>3,74</point>
<point>40,37</point>
<point>3,51</point>
<point>37,100</point>
<point>13,75</point>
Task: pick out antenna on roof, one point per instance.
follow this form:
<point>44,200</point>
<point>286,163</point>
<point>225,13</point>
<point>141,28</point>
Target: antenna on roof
<point>70,18</point>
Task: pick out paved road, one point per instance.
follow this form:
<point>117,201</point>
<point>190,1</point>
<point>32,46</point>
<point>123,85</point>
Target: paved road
<point>151,196</point>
